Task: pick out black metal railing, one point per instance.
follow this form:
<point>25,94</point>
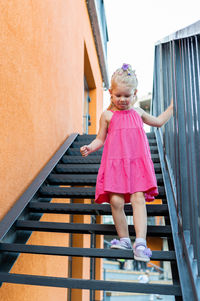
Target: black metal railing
<point>177,75</point>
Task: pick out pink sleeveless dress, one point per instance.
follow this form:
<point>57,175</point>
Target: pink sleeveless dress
<point>126,165</point>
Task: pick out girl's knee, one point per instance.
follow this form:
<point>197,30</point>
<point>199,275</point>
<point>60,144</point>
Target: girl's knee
<point>116,201</point>
<point>137,197</point>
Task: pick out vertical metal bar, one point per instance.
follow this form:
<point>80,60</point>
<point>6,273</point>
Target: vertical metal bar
<point>187,123</point>
<point>69,294</point>
<point>158,94</point>
<point>154,97</point>
<point>155,90</point>
<point>197,63</point>
<point>166,93</point>
<point>190,144</point>
<point>170,128</point>
<point>104,278</point>
<point>195,148</point>
<point>161,101</point>
<point>168,86</point>
<point>92,260</point>
<point>164,89</point>
<point>176,141</point>
<point>183,139</point>
<point>172,142</point>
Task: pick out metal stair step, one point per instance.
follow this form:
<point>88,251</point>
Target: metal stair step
<point>82,252</point>
<point>76,151</point>
<point>95,159</point>
<point>84,168</point>
<point>164,289</point>
<point>72,179</point>
<point>152,142</point>
<point>101,229</point>
<point>81,179</point>
<point>92,209</point>
<point>80,192</point>
<point>76,168</point>
<point>129,296</point>
<point>87,137</point>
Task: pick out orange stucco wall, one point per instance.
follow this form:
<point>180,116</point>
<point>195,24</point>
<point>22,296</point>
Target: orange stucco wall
<point>41,99</point>
<point>156,243</point>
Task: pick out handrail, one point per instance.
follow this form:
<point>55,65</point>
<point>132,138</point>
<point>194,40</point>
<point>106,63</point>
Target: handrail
<point>177,75</point>
<point>186,32</point>
<point>9,219</point>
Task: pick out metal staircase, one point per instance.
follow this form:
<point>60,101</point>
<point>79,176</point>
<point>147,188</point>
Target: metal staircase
<point>68,167</point>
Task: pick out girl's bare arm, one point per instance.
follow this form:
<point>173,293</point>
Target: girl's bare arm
<point>160,120</point>
<point>98,142</point>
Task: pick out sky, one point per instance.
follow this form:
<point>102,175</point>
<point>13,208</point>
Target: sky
<point>134,26</point>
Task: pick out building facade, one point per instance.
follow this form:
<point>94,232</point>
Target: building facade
<point>53,73</point>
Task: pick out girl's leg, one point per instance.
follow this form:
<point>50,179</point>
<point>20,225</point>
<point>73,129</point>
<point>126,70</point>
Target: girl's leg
<point>141,252</point>
<point>139,214</point>
<point>119,217</point>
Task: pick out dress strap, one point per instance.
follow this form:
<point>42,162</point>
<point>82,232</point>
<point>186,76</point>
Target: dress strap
<point>111,110</point>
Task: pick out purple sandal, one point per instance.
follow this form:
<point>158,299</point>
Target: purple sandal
<point>141,254</point>
<point>120,244</point>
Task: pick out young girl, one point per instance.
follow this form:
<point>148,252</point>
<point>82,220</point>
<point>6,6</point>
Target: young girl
<point>126,172</point>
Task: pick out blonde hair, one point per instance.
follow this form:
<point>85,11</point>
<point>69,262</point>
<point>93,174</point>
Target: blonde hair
<point>124,75</point>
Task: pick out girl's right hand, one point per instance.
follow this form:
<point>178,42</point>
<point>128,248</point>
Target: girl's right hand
<point>85,150</point>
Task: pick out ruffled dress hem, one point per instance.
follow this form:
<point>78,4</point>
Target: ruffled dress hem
<point>149,193</point>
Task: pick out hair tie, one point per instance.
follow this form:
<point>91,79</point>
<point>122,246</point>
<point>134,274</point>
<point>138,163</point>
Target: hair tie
<point>127,67</point>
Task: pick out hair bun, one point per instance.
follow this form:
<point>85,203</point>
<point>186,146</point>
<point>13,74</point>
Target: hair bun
<point>124,74</point>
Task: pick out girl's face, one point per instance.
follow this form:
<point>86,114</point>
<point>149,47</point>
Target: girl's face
<point>122,96</point>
